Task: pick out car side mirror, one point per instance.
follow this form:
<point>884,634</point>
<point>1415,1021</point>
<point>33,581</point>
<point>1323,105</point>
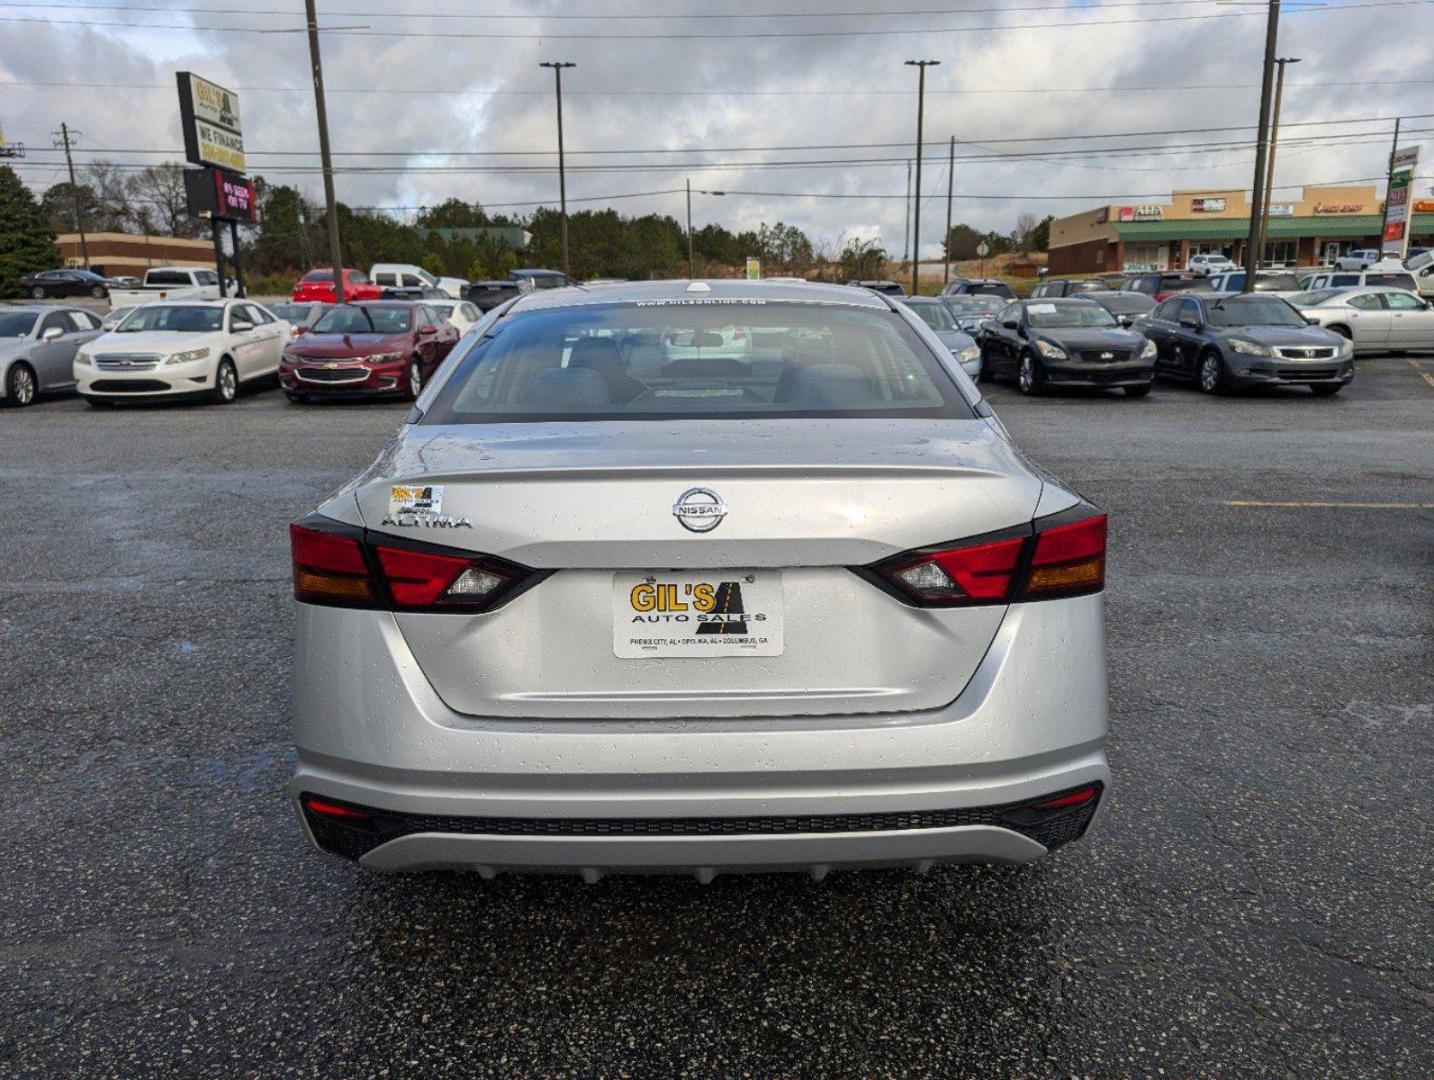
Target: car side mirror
<point>239,326</point>
<point>1011,324</point>
<point>1127,321</point>
<point>428,329</point>
<point>51,333</point>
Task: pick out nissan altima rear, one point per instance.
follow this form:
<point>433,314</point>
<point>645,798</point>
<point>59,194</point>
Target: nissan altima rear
<point>606,605</point>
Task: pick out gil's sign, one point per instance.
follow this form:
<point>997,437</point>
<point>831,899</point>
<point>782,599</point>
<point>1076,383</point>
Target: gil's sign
<point>209,117</point>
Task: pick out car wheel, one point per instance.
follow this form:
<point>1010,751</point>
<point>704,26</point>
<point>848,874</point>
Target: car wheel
<point>415,380</point>
<point>1030,379</point>
<point>1343,331</point>
<point>1138,391</point>
<point>1326,389</point>
<point>226,383</point>
<point>38,292</point>
<point>1212,373</point>
<point>98,292</point>
<point>20,386</point>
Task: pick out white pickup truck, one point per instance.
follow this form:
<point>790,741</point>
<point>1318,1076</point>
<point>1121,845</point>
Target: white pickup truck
<point>169,283</point>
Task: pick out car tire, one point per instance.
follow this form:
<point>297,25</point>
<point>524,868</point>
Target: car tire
<point>21,386</point>
<point>1030,380</point>
<point>226,383</point>
<point>415,380</point>
<point>1211,375</point>
<point>98,292</point>
<point>1139,391</point>
<point>38,292</point>
<point>1343,331</point>
<point>1326,389</point>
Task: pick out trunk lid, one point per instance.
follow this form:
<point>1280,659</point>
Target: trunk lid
<point>804,500</point>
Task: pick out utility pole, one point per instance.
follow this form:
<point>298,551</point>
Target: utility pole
<point>920,66</point>
<point>1274,144</point>
<point>691,272</point>
<point>336,263</point>
<point>557,66</point>
<point>1257,189</point>
<point>906,225</point>
<point>950,187</point>
<point>63,138</point>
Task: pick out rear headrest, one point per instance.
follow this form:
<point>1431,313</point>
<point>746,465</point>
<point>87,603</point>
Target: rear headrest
<point>567,389</point>
<point>706,339</point>
<point>826,386</point>
<point>814,350</point>
<point>598,353</point>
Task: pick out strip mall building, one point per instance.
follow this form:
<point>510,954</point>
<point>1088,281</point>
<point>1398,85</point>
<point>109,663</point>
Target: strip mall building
<point>1322,224</point>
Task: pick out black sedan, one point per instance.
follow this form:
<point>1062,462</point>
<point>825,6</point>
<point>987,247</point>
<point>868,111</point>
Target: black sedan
<point>1065,342</point>
<point>1223,341</point>
<point>65,283</point>
<point>1125,306</point>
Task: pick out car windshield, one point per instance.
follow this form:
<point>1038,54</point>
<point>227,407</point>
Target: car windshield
<point>677,359</point>
<point>365,319</point>
<point>974,304</point>
<point>935,316</point>
<point>1252,311</point>
<point>17,324</point>
<point>443,309</point>
<point>1313,297</point>
<point>171,317</point>
<point>1059,316</point>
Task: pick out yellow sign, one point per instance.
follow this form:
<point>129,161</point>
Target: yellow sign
<point>219,147</point>
<point>754,269</point>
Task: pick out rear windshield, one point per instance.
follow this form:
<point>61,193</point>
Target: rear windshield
<point>1393,281</point>
<point>969,304</point>
<point>318,275</point>
<point>1193,284</point>
<point>365,319</point>
<point>182,320</point>
<point>669,360</point>
<point>935,316</point>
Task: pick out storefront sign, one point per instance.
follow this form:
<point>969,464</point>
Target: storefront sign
<point>1338,208</point>
<point>1149,212</point>
<point>209,119</point>
<point>1102,215</point>
<point>1281,209</point>
<point>1424,206</point>
<point>1207,206</point>
<point>213,193</point>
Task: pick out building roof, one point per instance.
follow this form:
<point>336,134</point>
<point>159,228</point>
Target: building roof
<point>1234,228</point>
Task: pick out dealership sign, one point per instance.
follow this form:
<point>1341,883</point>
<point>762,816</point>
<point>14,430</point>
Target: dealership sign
<point>1396,204</point>
<point>221,196</point>
<point>1281,209</point>
<point>1149,212</point>
<point>209,118</point>
<point>1207,206</point>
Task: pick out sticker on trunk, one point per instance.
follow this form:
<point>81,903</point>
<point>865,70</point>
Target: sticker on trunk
<point>408,499</point>
<point>714,613</point>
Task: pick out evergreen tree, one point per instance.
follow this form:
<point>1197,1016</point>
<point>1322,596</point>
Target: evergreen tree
<point>27,243</point>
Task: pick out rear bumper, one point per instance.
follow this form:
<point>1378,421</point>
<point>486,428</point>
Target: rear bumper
<point>1031,723</point>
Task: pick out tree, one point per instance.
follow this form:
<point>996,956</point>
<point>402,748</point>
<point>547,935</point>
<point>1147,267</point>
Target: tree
<point>1021,234</point>
<point>862,260</point>
<point>61,201</point>
<point>961,243</point>
<point>1041,234</point>
<point>27,243</point>
<point>158,203</point>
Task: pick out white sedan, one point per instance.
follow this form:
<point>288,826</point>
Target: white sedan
<point>1375,319</point>
<point>460,313</point>
<point>188,349</point>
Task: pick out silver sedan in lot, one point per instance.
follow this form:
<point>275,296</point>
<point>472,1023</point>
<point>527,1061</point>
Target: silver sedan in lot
<point>1376,319</point>
<point>37,349</point>
<point>599,610</point>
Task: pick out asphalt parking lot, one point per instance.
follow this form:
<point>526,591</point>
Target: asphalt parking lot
<point>1256,902</point>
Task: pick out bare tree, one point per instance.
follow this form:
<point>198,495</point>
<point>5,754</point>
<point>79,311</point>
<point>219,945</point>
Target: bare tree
<point>157,198</point>
<point>1022,237</point>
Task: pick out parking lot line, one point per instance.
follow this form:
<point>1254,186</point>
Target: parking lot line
<point>1417,366</point>
<point>1311,505</point>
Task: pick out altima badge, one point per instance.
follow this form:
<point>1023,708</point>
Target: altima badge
<point>700,509</point>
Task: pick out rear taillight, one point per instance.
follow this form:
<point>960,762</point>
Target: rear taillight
<point>340,566</point>
<point>1063,555</point>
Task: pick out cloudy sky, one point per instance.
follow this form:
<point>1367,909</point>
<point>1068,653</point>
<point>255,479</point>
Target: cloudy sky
<point>1055,106</point>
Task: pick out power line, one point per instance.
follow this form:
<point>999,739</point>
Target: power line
<point>1066,25</point>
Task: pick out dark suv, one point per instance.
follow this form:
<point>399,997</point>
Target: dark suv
<point>1162,283</point>
<point>486,295</point>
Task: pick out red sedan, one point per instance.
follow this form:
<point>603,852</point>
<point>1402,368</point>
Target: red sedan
<point>319,285</point>
<point>388,348</point>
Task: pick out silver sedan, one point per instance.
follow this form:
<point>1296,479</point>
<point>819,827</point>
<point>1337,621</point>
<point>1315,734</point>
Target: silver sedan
<point>1376,319</point>
<point>600,609</point>
<point>37,349</point>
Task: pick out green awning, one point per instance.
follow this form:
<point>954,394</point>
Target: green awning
<point>1327,225</point>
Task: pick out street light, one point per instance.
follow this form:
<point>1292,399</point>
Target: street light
<point>557,66</point>
<point>1274,140</point>
<point>921,66</point>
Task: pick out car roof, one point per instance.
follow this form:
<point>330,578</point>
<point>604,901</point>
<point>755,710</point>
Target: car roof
<point>918,300</point>
<point>392,302</point>
<point>682,290</point>
<point>1084,298</point>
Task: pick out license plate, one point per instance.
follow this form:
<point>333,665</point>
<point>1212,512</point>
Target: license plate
<point>712,613</point>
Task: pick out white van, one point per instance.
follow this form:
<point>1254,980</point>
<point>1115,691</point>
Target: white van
<point>407,275</point>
